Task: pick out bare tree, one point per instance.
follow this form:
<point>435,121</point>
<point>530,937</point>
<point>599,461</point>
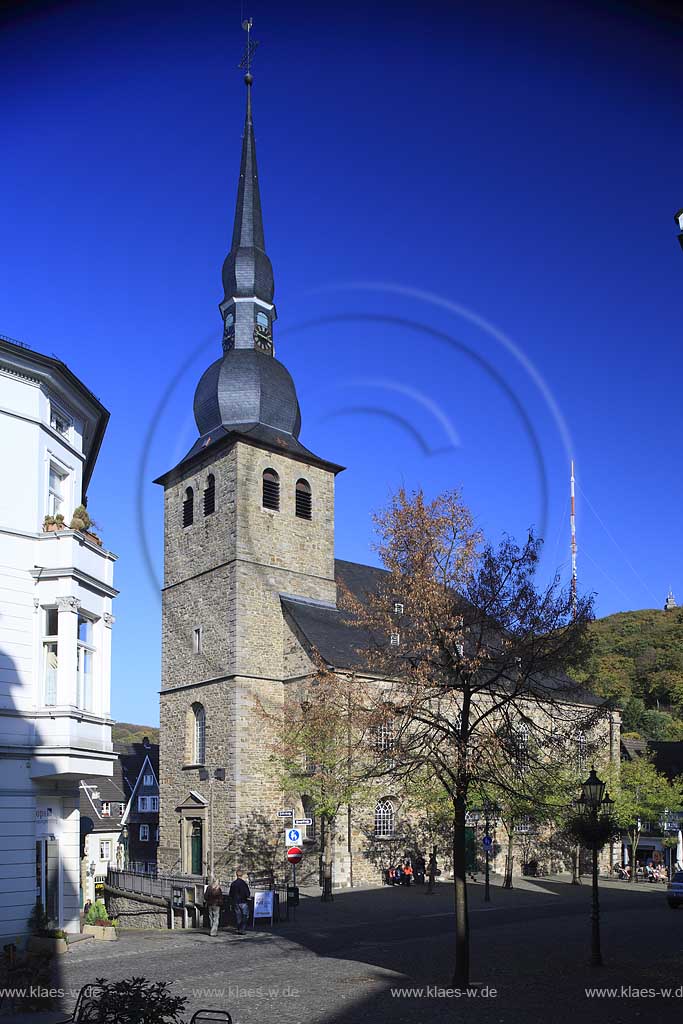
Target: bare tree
<point>467,659</point>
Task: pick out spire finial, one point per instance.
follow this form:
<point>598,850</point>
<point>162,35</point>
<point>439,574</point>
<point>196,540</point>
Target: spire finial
<point>250,50</point>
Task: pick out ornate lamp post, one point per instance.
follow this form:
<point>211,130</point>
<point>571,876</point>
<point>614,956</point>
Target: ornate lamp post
<point>595,826</point>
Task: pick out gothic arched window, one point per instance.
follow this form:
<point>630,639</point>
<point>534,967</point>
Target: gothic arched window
<point>210,495</point>
<point>304,500</point>
<point>198,737</point>
<point>271,490</point>
<point>384,819</point>
<point>188,507</point>
<point>581,751</point>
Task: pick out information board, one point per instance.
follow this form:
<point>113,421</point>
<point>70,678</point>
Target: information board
<point>263,905</point>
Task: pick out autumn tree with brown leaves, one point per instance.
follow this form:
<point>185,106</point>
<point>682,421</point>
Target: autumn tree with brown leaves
<point>466,658</point>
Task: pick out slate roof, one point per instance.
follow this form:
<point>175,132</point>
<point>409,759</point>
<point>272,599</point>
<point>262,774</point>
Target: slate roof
<point>257,434</point>
<point>132,757</point>
<point>331,633</point>
<point>667,757</point>
<point>247,271</point>
<point>111,790</point>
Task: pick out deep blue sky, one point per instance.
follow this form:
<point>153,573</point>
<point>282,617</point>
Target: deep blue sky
<point>520,162</point>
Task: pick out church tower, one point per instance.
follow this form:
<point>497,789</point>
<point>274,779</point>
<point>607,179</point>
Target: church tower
<point>248,518</point>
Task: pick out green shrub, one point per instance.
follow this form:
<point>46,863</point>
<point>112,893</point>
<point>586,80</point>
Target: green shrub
<point>135,1001</point>
<point>38,920</point>
<point>97,913</point>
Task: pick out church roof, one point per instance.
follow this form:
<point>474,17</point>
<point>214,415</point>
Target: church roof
<point>247,394</point>
<point>331,632</point>
<point>256,434</point>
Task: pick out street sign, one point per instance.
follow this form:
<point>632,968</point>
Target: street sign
<point>487,842</point>
<point>285,814</point>
<point>303,821</point>
<point>294,855</point>
<point>293,837</point>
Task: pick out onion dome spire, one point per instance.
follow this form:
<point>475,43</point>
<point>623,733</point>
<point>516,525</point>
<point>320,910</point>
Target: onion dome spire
<point>247,307</point>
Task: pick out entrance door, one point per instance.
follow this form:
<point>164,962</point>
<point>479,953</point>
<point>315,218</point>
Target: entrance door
<point>196,850</point>
<point>47,878</point>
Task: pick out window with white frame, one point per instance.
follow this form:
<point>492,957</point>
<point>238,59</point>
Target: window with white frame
<point>384,819</point>
<point>50,629</point>
<point>199,734</point>
<point>581,751</point>
<point>59,420</point>
<point>521,748</point>
<point>106,809</point>
<point>85,663</point>
<point>395,639</point>
<point>105,849</point>
<point>384,736</point>
<point>144,833</point>
<point>148,780</point>
<point>56,493</point>
<point>154,803</point>
<point>143,803</point>
<point>398,608</point>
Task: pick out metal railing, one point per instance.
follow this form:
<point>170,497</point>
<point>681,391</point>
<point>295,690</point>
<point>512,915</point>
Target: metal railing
<point>148,884</point>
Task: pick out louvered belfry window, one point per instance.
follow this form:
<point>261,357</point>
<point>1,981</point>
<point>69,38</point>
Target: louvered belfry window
<point>304,502</point>
<point>271,490</point>
<point>188,507</point>
<point>210,495</point>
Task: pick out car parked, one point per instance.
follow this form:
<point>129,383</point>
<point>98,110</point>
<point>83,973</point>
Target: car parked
<point>674,890</point>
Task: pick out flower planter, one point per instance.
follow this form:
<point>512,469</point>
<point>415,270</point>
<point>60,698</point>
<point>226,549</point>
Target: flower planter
<point>53,527</point>
<point>106,933</point>
<point>93,538</point>
<point>44,944</point>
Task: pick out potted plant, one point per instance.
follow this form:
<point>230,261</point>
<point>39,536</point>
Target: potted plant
<point>49,524</point>
<point>99,924</point>
<point>82,522</point>
<point>44,939</point>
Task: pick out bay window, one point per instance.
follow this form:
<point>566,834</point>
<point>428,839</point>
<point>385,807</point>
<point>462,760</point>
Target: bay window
<point>50,656</point>
<point>85,660</point>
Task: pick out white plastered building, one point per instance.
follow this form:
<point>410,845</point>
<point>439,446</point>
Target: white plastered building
<point>56,591</point>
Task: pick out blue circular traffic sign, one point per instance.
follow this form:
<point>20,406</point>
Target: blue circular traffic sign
<point>487,842</point>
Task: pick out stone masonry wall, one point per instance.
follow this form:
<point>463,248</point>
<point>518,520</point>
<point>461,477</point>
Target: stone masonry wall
<point>225,573</point>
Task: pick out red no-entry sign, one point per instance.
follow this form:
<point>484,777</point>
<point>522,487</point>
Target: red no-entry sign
<point>294,855</point>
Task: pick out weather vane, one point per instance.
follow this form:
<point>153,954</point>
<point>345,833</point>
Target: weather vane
<point>245,63</point>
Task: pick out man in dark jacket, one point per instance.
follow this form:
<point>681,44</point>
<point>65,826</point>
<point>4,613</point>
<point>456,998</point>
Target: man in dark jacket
<point>239,894</point>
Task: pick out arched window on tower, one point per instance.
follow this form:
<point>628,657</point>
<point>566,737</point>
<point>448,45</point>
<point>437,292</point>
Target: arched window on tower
<point>188,507</point>
<point>304,500</point>
<point>385,819</point>
<point>581,751</point>
<point>210,495</point>
<point>197,737</point>
<point>271,490</point>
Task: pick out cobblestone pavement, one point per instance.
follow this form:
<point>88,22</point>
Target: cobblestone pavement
<point>339,962</point>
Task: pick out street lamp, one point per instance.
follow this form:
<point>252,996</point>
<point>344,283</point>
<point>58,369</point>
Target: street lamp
<point>595,808</point>
<point>124,836</point>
